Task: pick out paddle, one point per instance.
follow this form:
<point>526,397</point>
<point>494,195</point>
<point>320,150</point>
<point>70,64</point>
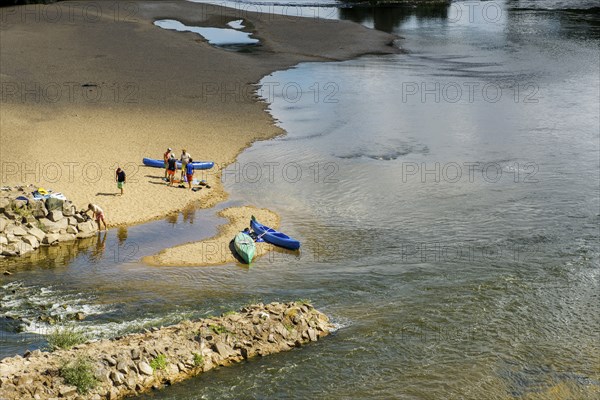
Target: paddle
<point>262,234</point>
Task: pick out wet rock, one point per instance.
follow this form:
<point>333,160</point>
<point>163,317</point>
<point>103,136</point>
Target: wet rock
<point>72,230</point>
<point>38,233</point>
<point>50,238</point>
<point>32,241</point>
<point>66,237</point>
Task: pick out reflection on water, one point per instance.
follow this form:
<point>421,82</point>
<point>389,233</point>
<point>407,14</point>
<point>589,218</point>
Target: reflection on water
<point>387,19</point>
<point>122,234</point>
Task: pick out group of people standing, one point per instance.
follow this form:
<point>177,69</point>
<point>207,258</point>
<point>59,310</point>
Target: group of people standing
<point>187,169</point>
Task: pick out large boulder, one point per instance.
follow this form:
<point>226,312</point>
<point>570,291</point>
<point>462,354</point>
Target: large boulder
<point>86,227</point>
<point>19,231</point>
<point>69,209</point>
<point>18,204</point>
<point>3,223</point>
<point>55,215</point>
<point>38,209</point>
<point>67,237</point>
<point>53,227</point>
<point>37,232</point>
<point>32,241</point>
<point>51,238</point>
<point>4,204</point>
<point>54,204</point>
<point>24,248</point>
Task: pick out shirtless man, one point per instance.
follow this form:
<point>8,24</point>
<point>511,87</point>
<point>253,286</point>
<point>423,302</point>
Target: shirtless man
<point>98,215</point>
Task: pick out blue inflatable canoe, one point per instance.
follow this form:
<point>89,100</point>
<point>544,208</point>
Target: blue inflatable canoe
<point>274,237</point>
<point>151,162</point>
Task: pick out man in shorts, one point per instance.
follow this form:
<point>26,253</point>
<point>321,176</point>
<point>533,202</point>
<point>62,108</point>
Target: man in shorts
<point>98,215</point>
<point>166,157</point>
<point>185,159</point>
<point>171,168</point>
<point>120,178</point>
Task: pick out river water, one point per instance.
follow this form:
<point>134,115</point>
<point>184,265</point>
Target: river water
<point>447,199</point>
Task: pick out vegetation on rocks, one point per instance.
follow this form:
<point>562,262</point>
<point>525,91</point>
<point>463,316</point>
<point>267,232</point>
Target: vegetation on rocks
<point>159,362</point>
<point>133,364</point>
<point>80,374</point>
<point>65,338</point>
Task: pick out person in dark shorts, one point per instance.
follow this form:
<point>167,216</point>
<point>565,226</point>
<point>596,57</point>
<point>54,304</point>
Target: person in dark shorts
<point>171,168</point>
<point>120,178</point>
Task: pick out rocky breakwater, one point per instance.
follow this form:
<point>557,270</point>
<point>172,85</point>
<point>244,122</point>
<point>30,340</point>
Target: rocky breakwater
<point>133,364</point>
<point>28,222</point>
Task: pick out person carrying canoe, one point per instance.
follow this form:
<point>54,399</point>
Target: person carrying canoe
<point>189,172</point>
<point>185,159</point>
<point>120,178</point>
<point>166,157</point>
<point>98,215</point>
<point>171,168</point>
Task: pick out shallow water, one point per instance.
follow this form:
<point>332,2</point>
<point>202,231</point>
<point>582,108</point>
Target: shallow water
<point>448,204</point>
<point>216,36</point>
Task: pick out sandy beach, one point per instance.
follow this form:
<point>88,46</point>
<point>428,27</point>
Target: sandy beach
<point>87,87</point>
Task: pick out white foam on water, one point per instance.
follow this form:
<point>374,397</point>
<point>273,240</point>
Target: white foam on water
<point>214,36</point>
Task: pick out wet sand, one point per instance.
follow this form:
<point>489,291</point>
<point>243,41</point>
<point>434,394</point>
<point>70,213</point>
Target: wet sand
<point>218,249</point>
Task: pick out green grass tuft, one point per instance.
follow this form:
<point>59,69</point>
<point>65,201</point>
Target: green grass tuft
<point>159,362</point>
<point>218,329</point>
<point>65,338</point>
<point>79,373</point>
<point>198,359</point>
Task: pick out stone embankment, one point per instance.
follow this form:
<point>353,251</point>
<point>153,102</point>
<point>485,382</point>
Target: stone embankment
<point>27,222</point>
<point>137,363</point>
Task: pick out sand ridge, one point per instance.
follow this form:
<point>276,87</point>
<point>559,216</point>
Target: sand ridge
<point>218,249</point>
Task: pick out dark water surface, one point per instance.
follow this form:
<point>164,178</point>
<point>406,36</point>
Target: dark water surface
<point>448,204</point>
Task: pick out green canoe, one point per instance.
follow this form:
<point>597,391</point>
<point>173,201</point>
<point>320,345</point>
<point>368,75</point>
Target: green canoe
<point>244,246</point>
